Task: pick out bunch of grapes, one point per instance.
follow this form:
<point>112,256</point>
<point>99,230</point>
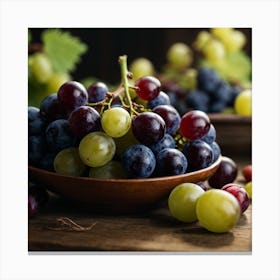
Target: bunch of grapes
<point>101,134</point>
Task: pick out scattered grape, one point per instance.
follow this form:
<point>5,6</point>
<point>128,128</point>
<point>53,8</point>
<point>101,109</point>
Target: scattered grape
<point>247,172</point>
<point>182,202</point>
<point>248,188</point>
<point>243,103</point>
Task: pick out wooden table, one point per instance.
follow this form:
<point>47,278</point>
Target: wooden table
<point>153,231</point>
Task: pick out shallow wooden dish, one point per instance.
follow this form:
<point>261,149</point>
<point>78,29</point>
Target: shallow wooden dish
<point>116,195</point>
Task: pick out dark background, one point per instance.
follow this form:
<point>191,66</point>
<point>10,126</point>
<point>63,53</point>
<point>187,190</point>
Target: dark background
<point>105,45</point>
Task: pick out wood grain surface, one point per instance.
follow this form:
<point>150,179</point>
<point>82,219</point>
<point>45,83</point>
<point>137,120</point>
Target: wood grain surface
<point>152,231</point>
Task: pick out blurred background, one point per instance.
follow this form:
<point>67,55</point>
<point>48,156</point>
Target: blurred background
<point>105,45</point>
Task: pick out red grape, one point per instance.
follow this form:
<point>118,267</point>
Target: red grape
<point>247,173</point>
<point>148,87</point>
<point>240,194</point>
<point>194,125</point>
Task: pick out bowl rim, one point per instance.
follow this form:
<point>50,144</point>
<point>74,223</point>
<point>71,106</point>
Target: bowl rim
<point>133,180</point>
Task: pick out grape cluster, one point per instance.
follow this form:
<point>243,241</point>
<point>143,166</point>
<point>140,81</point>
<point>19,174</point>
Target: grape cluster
<point>97,133</point>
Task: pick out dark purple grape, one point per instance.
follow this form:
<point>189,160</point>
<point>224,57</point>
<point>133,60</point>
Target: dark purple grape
<point>234,92</point>
<point>170,162</point>
<point>210,137</point>
<point>203,185</point>
<point>46,162</point>
<point>84,120</point>
<point>36,149</point>
<point>161,99</point>
<point>167,141</point>
<point>225,174</point>
<point>170,116</point>
<point>199,155</point>
<point>33,206</point>
<point>148,128</point>
<point>221,93</point>
<point>216,150</point>
<point>36,123</point>
<point>194,125</point>
<point>97,92</point>
<point>59,136</point>
<point>207,79</point>
<point>51,109</point>
<point>198,100</point>
<point>216,106</point>
<point>138,161</point>
<point>147,87</point>
<point>72,95</point>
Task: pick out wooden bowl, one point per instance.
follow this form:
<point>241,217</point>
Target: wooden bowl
<point>116,195</point>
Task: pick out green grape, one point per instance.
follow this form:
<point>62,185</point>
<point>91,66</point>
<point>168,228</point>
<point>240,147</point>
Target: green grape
<point>213,50</point>
<point>248,188</point>
<point>234,41</point>
<point>218,210</point>
<point>68,162</point>
<point>182,201</point>
<point>179,55</point>
<point>116,122</point>
<point>41,67</point>
<point>201,40</point>
<point>243,103</point>
<point>111,170</point>
<point>96,149</point>
<point>188,79</point>
<point>141,67</point>
<point>56,80</point>
<point>221,32</point>
<point>122,143</point>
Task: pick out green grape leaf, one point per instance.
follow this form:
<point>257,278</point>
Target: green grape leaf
<point>63,50</point>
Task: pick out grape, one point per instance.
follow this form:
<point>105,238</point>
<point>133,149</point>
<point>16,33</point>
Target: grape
<point>221,32</point>
<point>207,79</point>
<point>166,142</point>
<point>41,67</point>
<point>97,92</point>
<point>96,149</point>
<point>179,55</point>
<point>247,172</point>
<point>234,41</point>
<point>170,162</point>
<point>138,161</point>
<point>210,137</point>
<point>147,87</point>
<point>248,188</point>
<point>194,125</point>
<point>182,202</point>
<point>203,185</point>
<point>216,150</point>
<point>46,162</point>
<point>217,210</point>
<point>111,170</point>
<point>221,93</point>
<point>213,50</point>
<point>51,109</point>
<point>33,206</point>
<point>243,103</point>
<point>148,128</point>
<point>234,91</point>
<point>36,123</point>
<point>72,95</point>
<point>170,116</point>
<point>116,122</point>
<point>36,149</point>
<point>84,120</point>
<point>226,173</point>
<point>161,99</point>
<point>141,67</point>
<point>201,39</point>
<point>68,162</point>
<point>240,194</point>
<point>56,81</point>
<point>59,136</point>
<point>216,106</point>
<point>123,142</point>
<point>199,155</point>
<point>189,79</point>
<point>198,100</point>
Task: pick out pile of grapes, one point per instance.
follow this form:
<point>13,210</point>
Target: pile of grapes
<point>101,134</point>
